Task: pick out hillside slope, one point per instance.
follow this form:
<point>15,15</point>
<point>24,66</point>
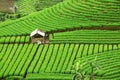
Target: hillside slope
<point>26,7</point>
<point>66,15</point>
<point>22,59</point>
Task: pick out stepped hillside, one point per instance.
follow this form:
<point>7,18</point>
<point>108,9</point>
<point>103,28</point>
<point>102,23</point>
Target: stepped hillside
<point>55,60</point>
<point>42,4</point>
<point>24,59</point>
<point>78,36</point>
<point>86,36</point>
<point>109,63</point>
<point>79,30</point>
<point>66,15</point>
<point>26,7</point>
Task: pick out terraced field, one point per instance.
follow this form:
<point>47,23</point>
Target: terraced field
<point>25,7</point>
<point>14,39</point>
<point>109,63</point>
<point>66,15</point>
<point>78,30</point>
<point>50,58</point>
<point>86,36</point>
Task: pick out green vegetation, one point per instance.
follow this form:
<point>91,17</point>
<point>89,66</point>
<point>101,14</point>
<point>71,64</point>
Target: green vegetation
<point>42,4</point>
<point>49,76</point>
<point>86,36</point>
<point>52,58</point>
<point>79,71</point>
<point>6,16</point>
<point>108,62</point>
<point>69,14</point>
<point>26,7</point>
<point>78,30</point>
<point>15,39</point>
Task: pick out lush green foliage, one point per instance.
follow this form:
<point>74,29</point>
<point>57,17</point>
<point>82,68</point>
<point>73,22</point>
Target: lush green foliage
<point>42,4</point>
<point>6,16</point>
<point>108,62</point>
<point>65,15</point>
<point>15,39</point>
<point>50,58</point>
<point>25,7</point>
<point>21,59</point>
<point>86,36</point>
<point>49,76</point>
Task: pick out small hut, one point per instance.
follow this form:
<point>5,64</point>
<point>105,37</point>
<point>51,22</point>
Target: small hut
<point>38,36</point>
<point>7,6</point>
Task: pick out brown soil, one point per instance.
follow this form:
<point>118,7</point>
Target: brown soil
<point>112,28</point>
<point>5,6</point>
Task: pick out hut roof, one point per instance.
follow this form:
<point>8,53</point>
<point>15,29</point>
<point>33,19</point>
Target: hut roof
<point>37,31</point>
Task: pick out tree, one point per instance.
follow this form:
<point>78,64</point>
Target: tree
<point>37,5</point>
<point>79,74</point>
<point>93,64</point>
